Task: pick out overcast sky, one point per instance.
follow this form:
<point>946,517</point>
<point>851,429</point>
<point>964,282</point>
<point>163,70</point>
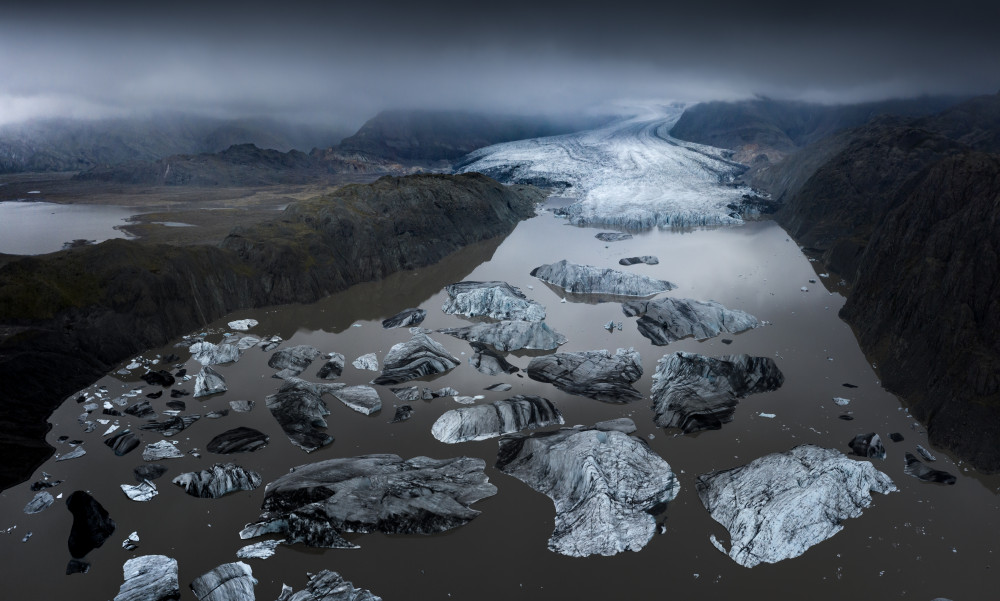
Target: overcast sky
<point>341,63</point>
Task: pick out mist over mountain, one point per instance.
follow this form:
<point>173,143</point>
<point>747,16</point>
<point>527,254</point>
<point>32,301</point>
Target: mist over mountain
<point>78,144</point>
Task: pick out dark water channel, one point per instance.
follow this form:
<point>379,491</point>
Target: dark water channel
<point>925,541</point>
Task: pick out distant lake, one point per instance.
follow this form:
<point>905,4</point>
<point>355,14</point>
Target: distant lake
<point>34,228</point>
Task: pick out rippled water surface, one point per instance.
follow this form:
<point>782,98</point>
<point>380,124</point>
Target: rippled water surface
<point>922,542</point>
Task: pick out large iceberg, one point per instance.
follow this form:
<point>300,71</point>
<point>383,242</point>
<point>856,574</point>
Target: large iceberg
<point>606,485</point>
<point>149,578</point>
<point>595,374</point>
<point>779,505</point>
<point>521,412</point>
<point>418,357</point>
<point>498,300</point>
<point>694,392</point>
<point>668,319</point>
<point>602,281</point>
<point>510,335</point>
<point>314,503</point>
<point>629,173</point>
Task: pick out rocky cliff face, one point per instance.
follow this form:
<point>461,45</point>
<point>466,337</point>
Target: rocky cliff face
<point>926,302</point>
<point>907,211</point>
<point>78,312</point>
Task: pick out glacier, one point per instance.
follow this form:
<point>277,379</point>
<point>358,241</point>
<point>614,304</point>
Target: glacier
<point>629,173</point>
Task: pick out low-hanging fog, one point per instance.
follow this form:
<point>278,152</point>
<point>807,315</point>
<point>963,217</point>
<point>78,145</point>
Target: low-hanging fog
<point>340,63</point>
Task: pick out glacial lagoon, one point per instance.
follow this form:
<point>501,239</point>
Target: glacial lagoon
<point>923,541</point>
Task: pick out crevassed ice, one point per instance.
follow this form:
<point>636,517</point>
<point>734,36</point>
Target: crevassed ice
<point>629,173</point>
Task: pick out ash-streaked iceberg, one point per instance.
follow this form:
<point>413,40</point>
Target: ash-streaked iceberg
<point>521,412</point>
<point>418,357</point>
<point>600,281</point>
<point>595,374</point>
<point>665,320</point>
<point>694,392</point>
<point>510,335</point>
<point>606,484</point>
<point>498,300</point>
<point>779,505</point>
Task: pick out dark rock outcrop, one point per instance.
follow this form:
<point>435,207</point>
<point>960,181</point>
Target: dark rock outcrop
<point>418,357</point>
<point>238,440</point>
<point>370,493</point>
<point>89,308</point>
<point>595,374</point>
<point>606,485</point>
<point>666,320</point>
<point>694,392</point>
<point>91,524</point>
<point>521,412</point>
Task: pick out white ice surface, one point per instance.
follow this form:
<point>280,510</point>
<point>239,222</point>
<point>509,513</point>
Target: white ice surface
<point>629,173</point>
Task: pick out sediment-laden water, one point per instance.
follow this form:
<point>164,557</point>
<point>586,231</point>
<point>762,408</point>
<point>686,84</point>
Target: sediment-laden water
<point>924,541</point>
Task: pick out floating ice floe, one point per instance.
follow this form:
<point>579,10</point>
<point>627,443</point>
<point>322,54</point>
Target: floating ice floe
<point>368,362</point>
<point>522,412</point>
<point>316,502</point>
<point>498,300</point>
<point>606,484</point>
<point>779,505</point>
<point>666,320</point>
<point>242,325</point>
<point>149,578</point>
<point>418,357</point>
<point>694,392</point>
<point>595,374</point>
<point>587,279</point>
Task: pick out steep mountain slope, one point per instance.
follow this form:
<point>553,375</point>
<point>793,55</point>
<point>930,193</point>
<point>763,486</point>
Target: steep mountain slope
<point>245,165</point>
<point>765,130</point>
<point>448,135</point>
<point>75,145</point>
<point>926,302</point>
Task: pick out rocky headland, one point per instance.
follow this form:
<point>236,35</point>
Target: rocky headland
<point>87,308</point>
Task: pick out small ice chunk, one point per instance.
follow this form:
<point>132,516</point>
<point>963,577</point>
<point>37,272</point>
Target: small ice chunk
<point>142,492</point>
<point>242,324</point>
<point>841,400</point>
<point>369,362</point>
<point>768,415</point>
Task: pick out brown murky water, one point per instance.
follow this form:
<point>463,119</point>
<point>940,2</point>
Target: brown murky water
<point>922,542</point>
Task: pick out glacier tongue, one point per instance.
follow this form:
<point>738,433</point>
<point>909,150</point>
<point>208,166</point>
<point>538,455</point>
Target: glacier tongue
<point>629,173</point>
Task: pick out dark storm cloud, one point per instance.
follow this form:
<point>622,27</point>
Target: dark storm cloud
<point>342,62</point>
